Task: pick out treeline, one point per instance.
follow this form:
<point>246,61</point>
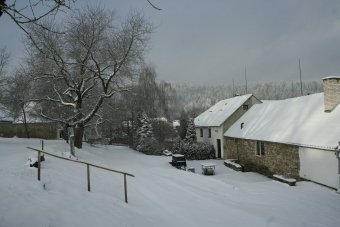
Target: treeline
<point>196,99</point>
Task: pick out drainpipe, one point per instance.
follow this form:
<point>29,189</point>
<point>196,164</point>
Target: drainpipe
<point>238,155</point>
<point>337,153</point>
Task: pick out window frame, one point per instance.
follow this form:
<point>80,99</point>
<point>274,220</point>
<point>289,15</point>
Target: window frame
<point>209,132</point>
<point>245,107</point>
<point>259,148</point>
<point>201,132</point>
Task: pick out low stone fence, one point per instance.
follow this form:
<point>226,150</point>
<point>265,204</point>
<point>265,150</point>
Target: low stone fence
<point>231,163</point>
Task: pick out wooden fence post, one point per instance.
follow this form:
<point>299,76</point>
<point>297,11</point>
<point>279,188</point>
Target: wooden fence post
<point>39,159</point>
<point>71,141</point>
<point>88,178</point>
<point>125,189</point>
<point>42,145</point>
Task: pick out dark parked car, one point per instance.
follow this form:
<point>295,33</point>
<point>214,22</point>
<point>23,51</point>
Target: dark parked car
<point>178,160</point>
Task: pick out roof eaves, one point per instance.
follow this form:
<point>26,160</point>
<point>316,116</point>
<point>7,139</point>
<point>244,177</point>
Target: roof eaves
<point>331,77</point>
<point>287,143</point>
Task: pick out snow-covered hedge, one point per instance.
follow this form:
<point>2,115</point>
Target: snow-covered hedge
<point>194,151</point>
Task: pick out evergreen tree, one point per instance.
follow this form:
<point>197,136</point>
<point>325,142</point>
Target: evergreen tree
<point>183,125</point>
<point>145,138</point>
<point>190,136</point>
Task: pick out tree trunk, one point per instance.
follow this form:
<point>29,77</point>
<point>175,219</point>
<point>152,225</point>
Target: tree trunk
<point>65,133</point>
<point>25,122</point>
<point>78,136</point>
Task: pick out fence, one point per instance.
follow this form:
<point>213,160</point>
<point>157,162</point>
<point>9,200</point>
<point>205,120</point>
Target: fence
<point>88,169</point>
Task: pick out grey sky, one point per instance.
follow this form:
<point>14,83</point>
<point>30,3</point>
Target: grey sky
<point>211,41</point>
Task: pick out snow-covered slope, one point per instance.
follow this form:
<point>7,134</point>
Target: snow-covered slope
<point>159,195</point>
<point>300,121</point>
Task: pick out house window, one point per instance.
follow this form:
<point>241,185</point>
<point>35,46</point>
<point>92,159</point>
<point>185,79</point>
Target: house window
<point>201,132</point>
<point>259,148</point>
<point>245,107</point>
<point>209,133</point>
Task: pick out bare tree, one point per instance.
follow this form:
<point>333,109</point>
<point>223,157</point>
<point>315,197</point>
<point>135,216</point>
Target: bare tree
<point>77,70</point>
<point>167,97</point>
<point>153,5</point>
<point>147,92</point>
<point>32,11</point>
<point>17,97</point>
<point>4,57</point>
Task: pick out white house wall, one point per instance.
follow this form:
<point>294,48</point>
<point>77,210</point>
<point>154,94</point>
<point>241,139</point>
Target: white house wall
<point>320,166</point>
<point>216,133</point>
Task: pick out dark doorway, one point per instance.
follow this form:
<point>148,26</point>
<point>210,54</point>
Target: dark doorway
<point>218,148</point>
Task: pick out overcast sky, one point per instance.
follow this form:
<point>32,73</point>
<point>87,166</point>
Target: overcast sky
<point>212,41</point>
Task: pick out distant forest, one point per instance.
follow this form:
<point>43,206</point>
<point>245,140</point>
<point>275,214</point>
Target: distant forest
<point>196,99</point>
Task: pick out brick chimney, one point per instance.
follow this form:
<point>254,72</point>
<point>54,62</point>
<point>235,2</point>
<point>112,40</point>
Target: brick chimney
<point>331,88</point>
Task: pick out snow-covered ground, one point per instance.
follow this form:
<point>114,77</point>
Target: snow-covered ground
<point>159,195</point>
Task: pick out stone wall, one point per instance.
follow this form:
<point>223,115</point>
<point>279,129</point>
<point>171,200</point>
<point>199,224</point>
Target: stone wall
<point>36,130</point>
<point>331,87</point>
<point>278,158</point>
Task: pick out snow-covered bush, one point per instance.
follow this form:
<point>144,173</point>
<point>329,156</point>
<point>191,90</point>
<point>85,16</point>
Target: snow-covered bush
<point>194,151</point>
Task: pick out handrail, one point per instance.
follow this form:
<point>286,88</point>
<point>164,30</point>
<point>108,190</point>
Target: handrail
<point>83,162</point>
<point>88,169</point>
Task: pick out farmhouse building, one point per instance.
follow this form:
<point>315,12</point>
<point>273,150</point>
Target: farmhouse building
<point>295,136</point>
<point>211,124</point>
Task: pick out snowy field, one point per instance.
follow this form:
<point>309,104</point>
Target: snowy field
<point>159,195</point>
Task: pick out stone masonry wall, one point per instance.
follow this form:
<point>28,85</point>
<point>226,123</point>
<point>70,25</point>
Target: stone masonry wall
<point>331,87</point>
<point>278,158</point>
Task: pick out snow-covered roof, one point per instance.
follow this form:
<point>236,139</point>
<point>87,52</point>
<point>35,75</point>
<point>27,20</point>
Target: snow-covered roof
<point>163,119</point>
<point>5,114</point>
<point>176,123</point>
<point>300,121</point>
<point>178,155</point>
<point>218,113</point>
<point>31,117</point>
<point>331,77</point>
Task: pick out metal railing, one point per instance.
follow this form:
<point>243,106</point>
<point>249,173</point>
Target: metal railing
<point>88,169</point>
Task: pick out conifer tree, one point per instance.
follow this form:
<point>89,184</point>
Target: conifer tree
<point>190,136</point>
<point>145,136</point>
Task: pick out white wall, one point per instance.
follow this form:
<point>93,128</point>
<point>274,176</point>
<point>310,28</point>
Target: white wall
<point>320,166</point>
<point>216,133</point>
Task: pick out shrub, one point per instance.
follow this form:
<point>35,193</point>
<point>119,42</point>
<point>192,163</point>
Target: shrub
<point>194,151</point>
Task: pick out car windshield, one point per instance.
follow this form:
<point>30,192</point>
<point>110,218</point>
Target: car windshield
<point>179,158</point>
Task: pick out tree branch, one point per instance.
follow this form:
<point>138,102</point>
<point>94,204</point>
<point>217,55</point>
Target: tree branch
<point>153,6</point>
